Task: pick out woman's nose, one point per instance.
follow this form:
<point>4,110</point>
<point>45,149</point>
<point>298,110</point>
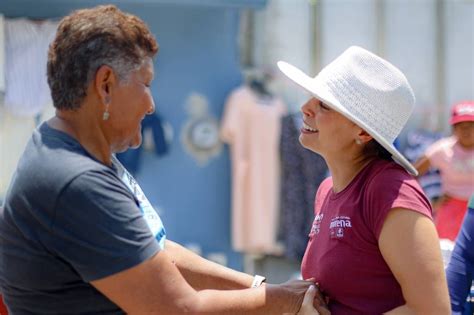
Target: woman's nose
<point>307,110</point>
<point>151,110</point>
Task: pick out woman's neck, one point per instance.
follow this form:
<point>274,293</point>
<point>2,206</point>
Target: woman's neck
<point>343,171</point>
<point>466,147</point>
<point>85,132</point>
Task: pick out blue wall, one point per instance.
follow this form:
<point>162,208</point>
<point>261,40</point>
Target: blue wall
<point>198,53</point>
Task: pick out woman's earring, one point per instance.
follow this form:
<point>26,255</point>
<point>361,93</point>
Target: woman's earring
<point>358,141</point>
<point>106,114</point>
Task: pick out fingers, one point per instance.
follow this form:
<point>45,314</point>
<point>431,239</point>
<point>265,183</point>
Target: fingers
<point>299,284</point>
<point>320,304</point>
<point>322,310</point>
<point>307,305</point>
<point>319,299</point>
<point>309,295</point>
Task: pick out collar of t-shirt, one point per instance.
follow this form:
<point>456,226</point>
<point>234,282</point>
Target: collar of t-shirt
<point>149,213</point>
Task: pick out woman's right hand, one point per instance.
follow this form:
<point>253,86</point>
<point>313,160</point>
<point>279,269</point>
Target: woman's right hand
<point>311,304</point>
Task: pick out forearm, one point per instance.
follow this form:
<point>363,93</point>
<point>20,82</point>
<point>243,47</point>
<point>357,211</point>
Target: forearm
<point>156,286</point>
<point>263,300</point>
<point>422,165</point>
<point>202,274</point>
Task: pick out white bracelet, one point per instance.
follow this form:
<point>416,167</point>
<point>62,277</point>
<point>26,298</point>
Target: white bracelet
<point>257,281</point>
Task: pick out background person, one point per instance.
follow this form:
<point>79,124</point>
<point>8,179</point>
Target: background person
<point>373,247</point>
<point>77,234</point>
<point>460,271</point>
<point>454,157</point>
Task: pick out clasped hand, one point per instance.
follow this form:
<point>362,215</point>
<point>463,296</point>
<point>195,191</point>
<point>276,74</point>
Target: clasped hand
<point>314,303</point>
<point>309,299</point>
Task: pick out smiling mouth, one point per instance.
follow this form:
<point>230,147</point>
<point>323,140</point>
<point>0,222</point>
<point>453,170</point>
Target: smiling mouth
<point>308,128</point>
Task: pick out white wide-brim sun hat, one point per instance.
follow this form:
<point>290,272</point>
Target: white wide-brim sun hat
<point>366,89</point>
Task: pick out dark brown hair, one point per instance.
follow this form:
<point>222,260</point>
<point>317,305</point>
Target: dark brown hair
<point>89,38</point>
<point>373,148</point>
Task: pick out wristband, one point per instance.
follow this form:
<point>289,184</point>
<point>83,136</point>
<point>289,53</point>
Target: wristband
<point>257,281</point>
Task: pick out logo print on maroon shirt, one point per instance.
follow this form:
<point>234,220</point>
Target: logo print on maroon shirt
<point>315,228</point>
<point>338,225</point>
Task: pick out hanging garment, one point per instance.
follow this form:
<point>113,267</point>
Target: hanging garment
<point>302,173</point>
<point>131,158</point>
<point>27,90</point>
<point>14,134</point>
<point>252,129</point>
<point>2,56</point>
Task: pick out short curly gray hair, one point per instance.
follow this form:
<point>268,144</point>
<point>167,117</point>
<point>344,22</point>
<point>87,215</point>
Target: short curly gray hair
<point>88,39</point>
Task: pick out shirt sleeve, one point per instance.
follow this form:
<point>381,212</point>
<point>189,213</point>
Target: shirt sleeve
<point>98,227</point>
<point>322,193</point>
<point>393,188</point>
<point>460,268</point>
<point>435,151</point>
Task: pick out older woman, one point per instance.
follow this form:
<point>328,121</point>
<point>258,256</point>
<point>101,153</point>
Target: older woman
<point>77,234</point>
<point>373,246</point>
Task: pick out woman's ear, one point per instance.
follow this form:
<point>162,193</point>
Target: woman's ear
<point>104,82</point>
<point>363,137</point>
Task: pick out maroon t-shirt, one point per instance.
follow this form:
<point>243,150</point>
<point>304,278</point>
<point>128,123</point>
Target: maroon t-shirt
<point>343,253</point>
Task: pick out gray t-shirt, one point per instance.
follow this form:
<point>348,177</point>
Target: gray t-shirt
<point>67,220</point>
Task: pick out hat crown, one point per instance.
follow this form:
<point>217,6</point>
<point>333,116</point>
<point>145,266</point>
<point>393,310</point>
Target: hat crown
<point>371,89</point>
<point>464,108</point>
<point>463,111</point>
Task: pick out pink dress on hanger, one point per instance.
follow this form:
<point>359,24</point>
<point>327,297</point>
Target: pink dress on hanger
<point>252,129</point>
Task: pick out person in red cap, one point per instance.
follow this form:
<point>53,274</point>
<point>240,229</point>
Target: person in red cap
<point>454,157</point>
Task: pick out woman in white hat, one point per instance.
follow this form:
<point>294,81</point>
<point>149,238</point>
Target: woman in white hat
<point>373,246</point>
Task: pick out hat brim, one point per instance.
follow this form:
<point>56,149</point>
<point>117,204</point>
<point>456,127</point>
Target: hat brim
<point>321,92</point>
